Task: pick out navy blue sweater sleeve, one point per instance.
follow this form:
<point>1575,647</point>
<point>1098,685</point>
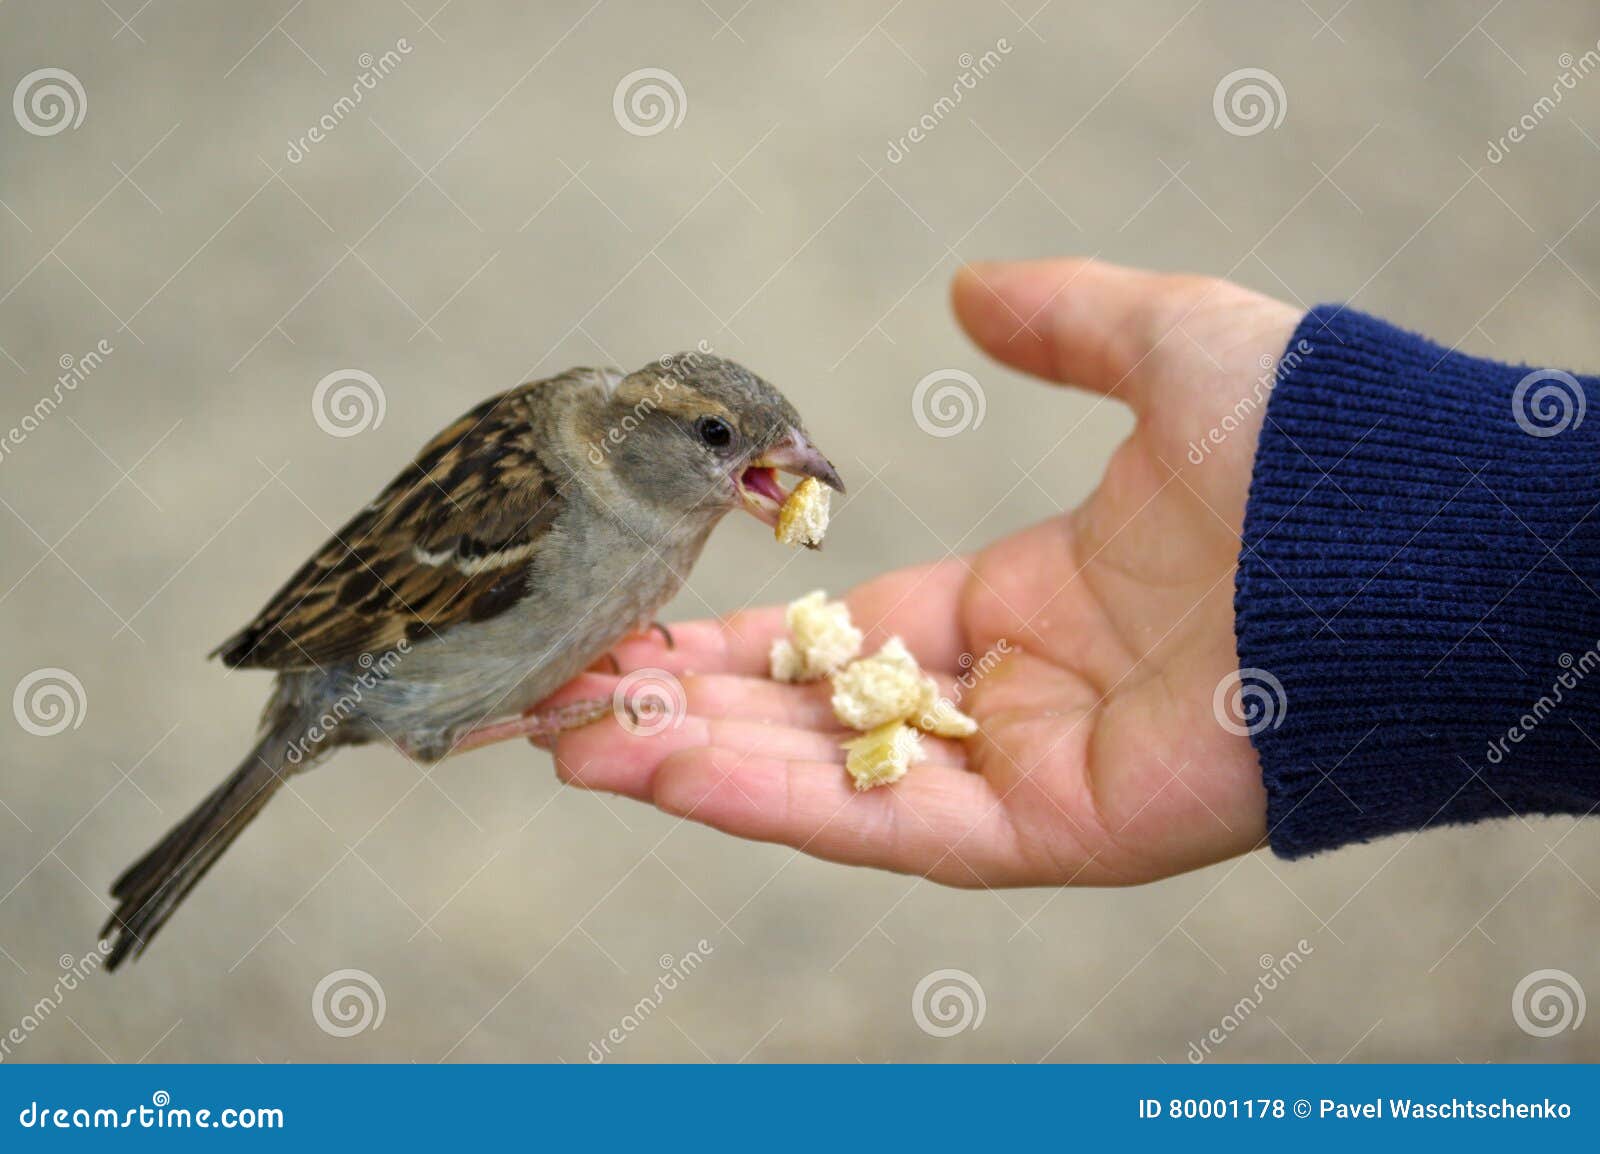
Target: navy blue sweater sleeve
<point>1418,593</point>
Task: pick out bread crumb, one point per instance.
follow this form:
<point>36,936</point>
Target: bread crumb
<point>887,696</point>
<point>885,687</point>
<point>882,755</point>
<point>803,519</point>
<point>787,662</point>
<point>939,715</point>
<point>890,686</point>
<point>822,640</point>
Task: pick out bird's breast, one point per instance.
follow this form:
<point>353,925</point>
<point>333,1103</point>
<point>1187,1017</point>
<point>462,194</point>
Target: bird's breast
<point>592,582</point>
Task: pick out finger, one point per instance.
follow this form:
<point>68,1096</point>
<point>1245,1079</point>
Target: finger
<point>587,686</point>
<point>919,604</point>
<point>1081,322</point>
<point>808,706</point>
<point>723,697</point>
<point>720,696</point>
<point>737,644</point>
<point>938,821</point>
<point>611,756</point>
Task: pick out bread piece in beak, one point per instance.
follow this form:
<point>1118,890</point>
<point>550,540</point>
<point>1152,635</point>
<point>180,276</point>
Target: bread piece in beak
<point>759,488</point>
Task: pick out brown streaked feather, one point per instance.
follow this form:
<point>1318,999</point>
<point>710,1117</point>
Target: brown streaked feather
<point>448,541</point>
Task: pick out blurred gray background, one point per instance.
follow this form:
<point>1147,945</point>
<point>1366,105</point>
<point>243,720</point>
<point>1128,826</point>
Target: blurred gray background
<point>483,216</point>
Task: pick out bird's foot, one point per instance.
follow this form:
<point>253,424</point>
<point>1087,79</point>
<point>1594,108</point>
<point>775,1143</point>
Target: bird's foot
<point>541,727</point>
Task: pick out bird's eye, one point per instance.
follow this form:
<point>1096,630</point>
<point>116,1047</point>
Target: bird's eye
<point>714,432</point>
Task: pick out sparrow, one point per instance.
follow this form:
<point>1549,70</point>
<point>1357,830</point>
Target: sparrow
<point>521,545</point>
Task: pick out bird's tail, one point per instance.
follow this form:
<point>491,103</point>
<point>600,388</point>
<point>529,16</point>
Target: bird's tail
<point>150,889</point>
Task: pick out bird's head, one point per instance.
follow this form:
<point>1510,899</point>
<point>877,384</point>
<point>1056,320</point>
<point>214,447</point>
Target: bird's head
<point>693,432</point>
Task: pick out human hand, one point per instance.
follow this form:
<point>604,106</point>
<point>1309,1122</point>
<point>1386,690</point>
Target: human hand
<point>1098,758</point>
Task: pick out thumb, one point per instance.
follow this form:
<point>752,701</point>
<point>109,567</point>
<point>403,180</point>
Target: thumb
<point>1080,322</point>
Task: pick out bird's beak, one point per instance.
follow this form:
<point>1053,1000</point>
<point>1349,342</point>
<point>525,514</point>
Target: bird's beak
<point>758,483</point>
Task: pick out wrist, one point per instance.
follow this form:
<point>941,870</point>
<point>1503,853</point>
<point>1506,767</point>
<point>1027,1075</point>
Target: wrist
<point>1417,584</point>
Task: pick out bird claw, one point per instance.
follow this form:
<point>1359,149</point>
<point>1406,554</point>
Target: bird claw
<point>615,666</point>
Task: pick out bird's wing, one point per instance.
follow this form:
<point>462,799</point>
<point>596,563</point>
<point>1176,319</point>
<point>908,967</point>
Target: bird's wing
<point>448,541</point>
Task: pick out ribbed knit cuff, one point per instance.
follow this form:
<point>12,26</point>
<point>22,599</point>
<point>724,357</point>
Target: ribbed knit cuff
<point>1418,594</point>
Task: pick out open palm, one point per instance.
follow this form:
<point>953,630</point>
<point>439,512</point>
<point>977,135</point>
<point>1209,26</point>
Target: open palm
<point>1090,647</point>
